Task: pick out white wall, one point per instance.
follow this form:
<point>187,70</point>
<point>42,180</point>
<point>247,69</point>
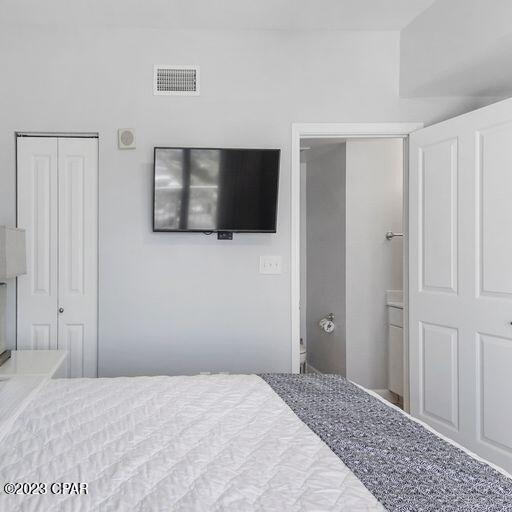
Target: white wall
<point>185,303</point>
<point>325,265</point>
<point>458,47</point>
<point>373,264</point>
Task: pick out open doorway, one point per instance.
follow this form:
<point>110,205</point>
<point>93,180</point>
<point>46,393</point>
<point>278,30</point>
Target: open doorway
<point>367,292</point>
<point>352,260</point>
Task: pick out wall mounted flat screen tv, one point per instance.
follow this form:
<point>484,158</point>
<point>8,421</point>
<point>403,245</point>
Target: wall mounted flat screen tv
<point>204,189</point>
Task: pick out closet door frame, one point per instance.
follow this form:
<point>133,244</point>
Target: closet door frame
<point>55,340</point>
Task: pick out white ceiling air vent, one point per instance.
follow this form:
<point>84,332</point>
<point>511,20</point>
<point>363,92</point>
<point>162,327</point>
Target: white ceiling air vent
<point>176,80</point>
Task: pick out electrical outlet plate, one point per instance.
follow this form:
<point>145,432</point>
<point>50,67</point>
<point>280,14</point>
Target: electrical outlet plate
<point>270,265</point>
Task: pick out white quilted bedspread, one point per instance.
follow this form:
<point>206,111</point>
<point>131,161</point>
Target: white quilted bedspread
<point>204,443</point>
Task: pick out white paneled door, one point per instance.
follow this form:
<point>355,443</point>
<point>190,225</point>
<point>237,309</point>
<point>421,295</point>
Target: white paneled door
<point>460,209</point>
<point>57,191</point>
<point>37,181</point>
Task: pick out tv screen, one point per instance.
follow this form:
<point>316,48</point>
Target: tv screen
<point>202,189</point>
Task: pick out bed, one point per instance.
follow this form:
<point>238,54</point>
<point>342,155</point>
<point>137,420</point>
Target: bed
<point>234,443</point>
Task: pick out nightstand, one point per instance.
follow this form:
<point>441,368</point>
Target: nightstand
<point>23,374</point>
<point>51,364</point>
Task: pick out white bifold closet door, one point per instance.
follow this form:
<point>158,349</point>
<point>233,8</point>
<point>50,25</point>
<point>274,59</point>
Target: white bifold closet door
<point>57,198</point>
<point>460,248</point>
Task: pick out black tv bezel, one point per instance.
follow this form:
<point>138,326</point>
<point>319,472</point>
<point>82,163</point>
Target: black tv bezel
<point>159,230</point>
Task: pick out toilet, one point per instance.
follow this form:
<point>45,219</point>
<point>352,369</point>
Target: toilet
<point>302,357</point>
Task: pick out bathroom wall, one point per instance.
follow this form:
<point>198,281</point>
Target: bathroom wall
<point>374,186</point>
<point>325,265</point>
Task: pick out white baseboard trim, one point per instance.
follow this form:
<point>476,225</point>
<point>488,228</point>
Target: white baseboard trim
<point>387,395</point>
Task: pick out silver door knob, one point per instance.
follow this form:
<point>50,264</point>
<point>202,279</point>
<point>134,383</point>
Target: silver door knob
<point>61,310</point>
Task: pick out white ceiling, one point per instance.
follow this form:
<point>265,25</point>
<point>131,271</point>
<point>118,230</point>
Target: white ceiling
<point>216,14</point>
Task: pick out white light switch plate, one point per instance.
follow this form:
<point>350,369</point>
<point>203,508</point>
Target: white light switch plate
<point>270,265</point>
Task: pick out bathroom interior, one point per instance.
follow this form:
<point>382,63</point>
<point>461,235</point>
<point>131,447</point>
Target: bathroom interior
<point>352,261</point>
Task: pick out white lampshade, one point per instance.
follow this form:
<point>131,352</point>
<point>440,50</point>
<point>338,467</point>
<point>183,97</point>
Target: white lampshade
<point>13,261</point>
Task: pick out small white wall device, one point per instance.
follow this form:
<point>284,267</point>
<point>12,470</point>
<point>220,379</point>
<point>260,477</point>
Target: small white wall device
<point>270,265</point>
<point>126,138</point>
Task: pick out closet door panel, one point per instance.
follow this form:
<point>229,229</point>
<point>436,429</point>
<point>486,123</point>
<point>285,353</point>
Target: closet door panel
<point>37,211</point>
<point>492,278</point>
<point>466,375</point>
<point>72,339</point>
<point>494,210</point>
<point>78,267</point>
